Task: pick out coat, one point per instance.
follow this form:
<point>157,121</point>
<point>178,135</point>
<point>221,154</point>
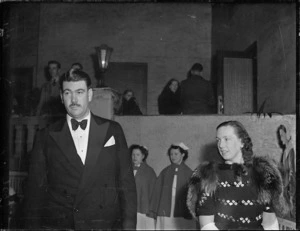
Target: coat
<point>62,193</point>
<point>197,96</point>
<point>169,102</point>
<point>162,193</point>
<point>145,180</point>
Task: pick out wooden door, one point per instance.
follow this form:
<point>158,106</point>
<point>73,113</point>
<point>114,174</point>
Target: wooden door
<point>237,83</point>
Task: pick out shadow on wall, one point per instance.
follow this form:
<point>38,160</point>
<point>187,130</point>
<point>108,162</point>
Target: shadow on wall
<point>209,152</point>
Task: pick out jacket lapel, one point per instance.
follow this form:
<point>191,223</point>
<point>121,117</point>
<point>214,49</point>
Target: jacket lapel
<point>97,135</point>
<point>63,138</point>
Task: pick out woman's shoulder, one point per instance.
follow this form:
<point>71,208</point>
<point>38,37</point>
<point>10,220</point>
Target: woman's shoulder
<point>148,168</point>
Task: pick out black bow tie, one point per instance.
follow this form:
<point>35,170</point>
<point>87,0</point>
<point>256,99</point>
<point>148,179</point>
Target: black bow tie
<point>75,124</point>
<point>135,167</point>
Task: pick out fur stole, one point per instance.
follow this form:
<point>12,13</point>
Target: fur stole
<point>264,175</point>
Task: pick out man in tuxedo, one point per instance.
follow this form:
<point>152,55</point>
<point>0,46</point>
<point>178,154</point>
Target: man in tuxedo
<point>80,174</point>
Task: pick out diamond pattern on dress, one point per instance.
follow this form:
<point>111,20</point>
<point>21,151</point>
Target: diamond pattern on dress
<point>203,198</point>
<point>238,184</point>
<point>241,219</point>
<point>235,184</point>
<point>225,184</point>
<point>237,202</point>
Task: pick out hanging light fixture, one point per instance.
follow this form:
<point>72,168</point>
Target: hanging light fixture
<point>103,54</point>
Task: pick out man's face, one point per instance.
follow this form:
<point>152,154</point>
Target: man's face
<point>76,97</point>
<point>53,70</point>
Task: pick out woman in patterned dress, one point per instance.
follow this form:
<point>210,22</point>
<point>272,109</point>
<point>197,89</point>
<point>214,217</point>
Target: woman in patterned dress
<point>244,192</point>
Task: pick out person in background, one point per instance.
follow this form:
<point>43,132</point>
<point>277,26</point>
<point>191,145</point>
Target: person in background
<point>243,192</point>
<point>80,175</point>
<point>169,99</point>
<point>145,178</point>
<point>50,102</point>
<point>197,95</point>
<point>77,66</point>
<point>168,203</point>
<point>129,104</point>
<point>288,170</point>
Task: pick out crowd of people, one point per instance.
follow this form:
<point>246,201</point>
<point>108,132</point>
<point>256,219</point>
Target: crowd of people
<point>243,192</point>
<point>193,95</point>
<point>82,174</point>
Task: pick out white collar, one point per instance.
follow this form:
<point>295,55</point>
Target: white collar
<point>88,117</point>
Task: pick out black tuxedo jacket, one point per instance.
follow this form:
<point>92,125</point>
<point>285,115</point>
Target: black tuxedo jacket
<point>63,193</point>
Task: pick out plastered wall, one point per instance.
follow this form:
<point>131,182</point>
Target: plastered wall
<point>198,133</point>
<point>273,27</point>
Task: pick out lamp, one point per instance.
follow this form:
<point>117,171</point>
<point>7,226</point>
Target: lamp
<point>103,54</point>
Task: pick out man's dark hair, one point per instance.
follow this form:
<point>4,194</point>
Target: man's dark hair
<point>54,62</point>
<point>197,67</point>
<point>74,76</point>
<point>77,64</point>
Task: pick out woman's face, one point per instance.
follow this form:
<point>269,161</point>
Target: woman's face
<point>137,157</point>
<point>176,156</point>
<point>173,86</point>
<point>283,137</point>
<point>229,145</point>
<point>128,95</point>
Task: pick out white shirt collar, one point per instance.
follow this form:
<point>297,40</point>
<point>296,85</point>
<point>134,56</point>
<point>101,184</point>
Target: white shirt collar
<point>88,117</point>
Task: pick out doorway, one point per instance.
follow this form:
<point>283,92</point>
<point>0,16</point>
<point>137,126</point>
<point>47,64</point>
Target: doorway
<point>237,81</point>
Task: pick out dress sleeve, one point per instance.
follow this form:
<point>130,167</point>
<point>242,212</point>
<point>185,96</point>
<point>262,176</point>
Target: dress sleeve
<point>205,205</point>
<point>269,208</point>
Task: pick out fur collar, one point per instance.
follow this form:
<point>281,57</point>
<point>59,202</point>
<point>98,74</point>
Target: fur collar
<point>264,175</point>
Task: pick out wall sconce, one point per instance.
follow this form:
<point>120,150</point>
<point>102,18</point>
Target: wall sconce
<point>103,54</point>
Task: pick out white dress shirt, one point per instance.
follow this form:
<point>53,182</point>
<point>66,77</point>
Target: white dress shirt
<point>80,136</point>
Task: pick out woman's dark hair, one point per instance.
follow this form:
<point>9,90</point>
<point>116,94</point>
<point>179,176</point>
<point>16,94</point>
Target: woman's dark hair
<point>128,90</point>
<point>143,150</point>
<point>182,151</point>
<point>241,133</point>
<point>74,76</point>
<point>281,127</point>
<point>166,87</point>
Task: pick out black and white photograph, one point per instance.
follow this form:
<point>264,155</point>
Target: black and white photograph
<point>149,115</point>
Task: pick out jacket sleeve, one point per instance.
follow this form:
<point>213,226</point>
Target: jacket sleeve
<point>128,195</point>
<point>36,184</point>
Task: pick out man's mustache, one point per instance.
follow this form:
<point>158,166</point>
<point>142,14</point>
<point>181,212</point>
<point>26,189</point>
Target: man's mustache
<point>75,104</point>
